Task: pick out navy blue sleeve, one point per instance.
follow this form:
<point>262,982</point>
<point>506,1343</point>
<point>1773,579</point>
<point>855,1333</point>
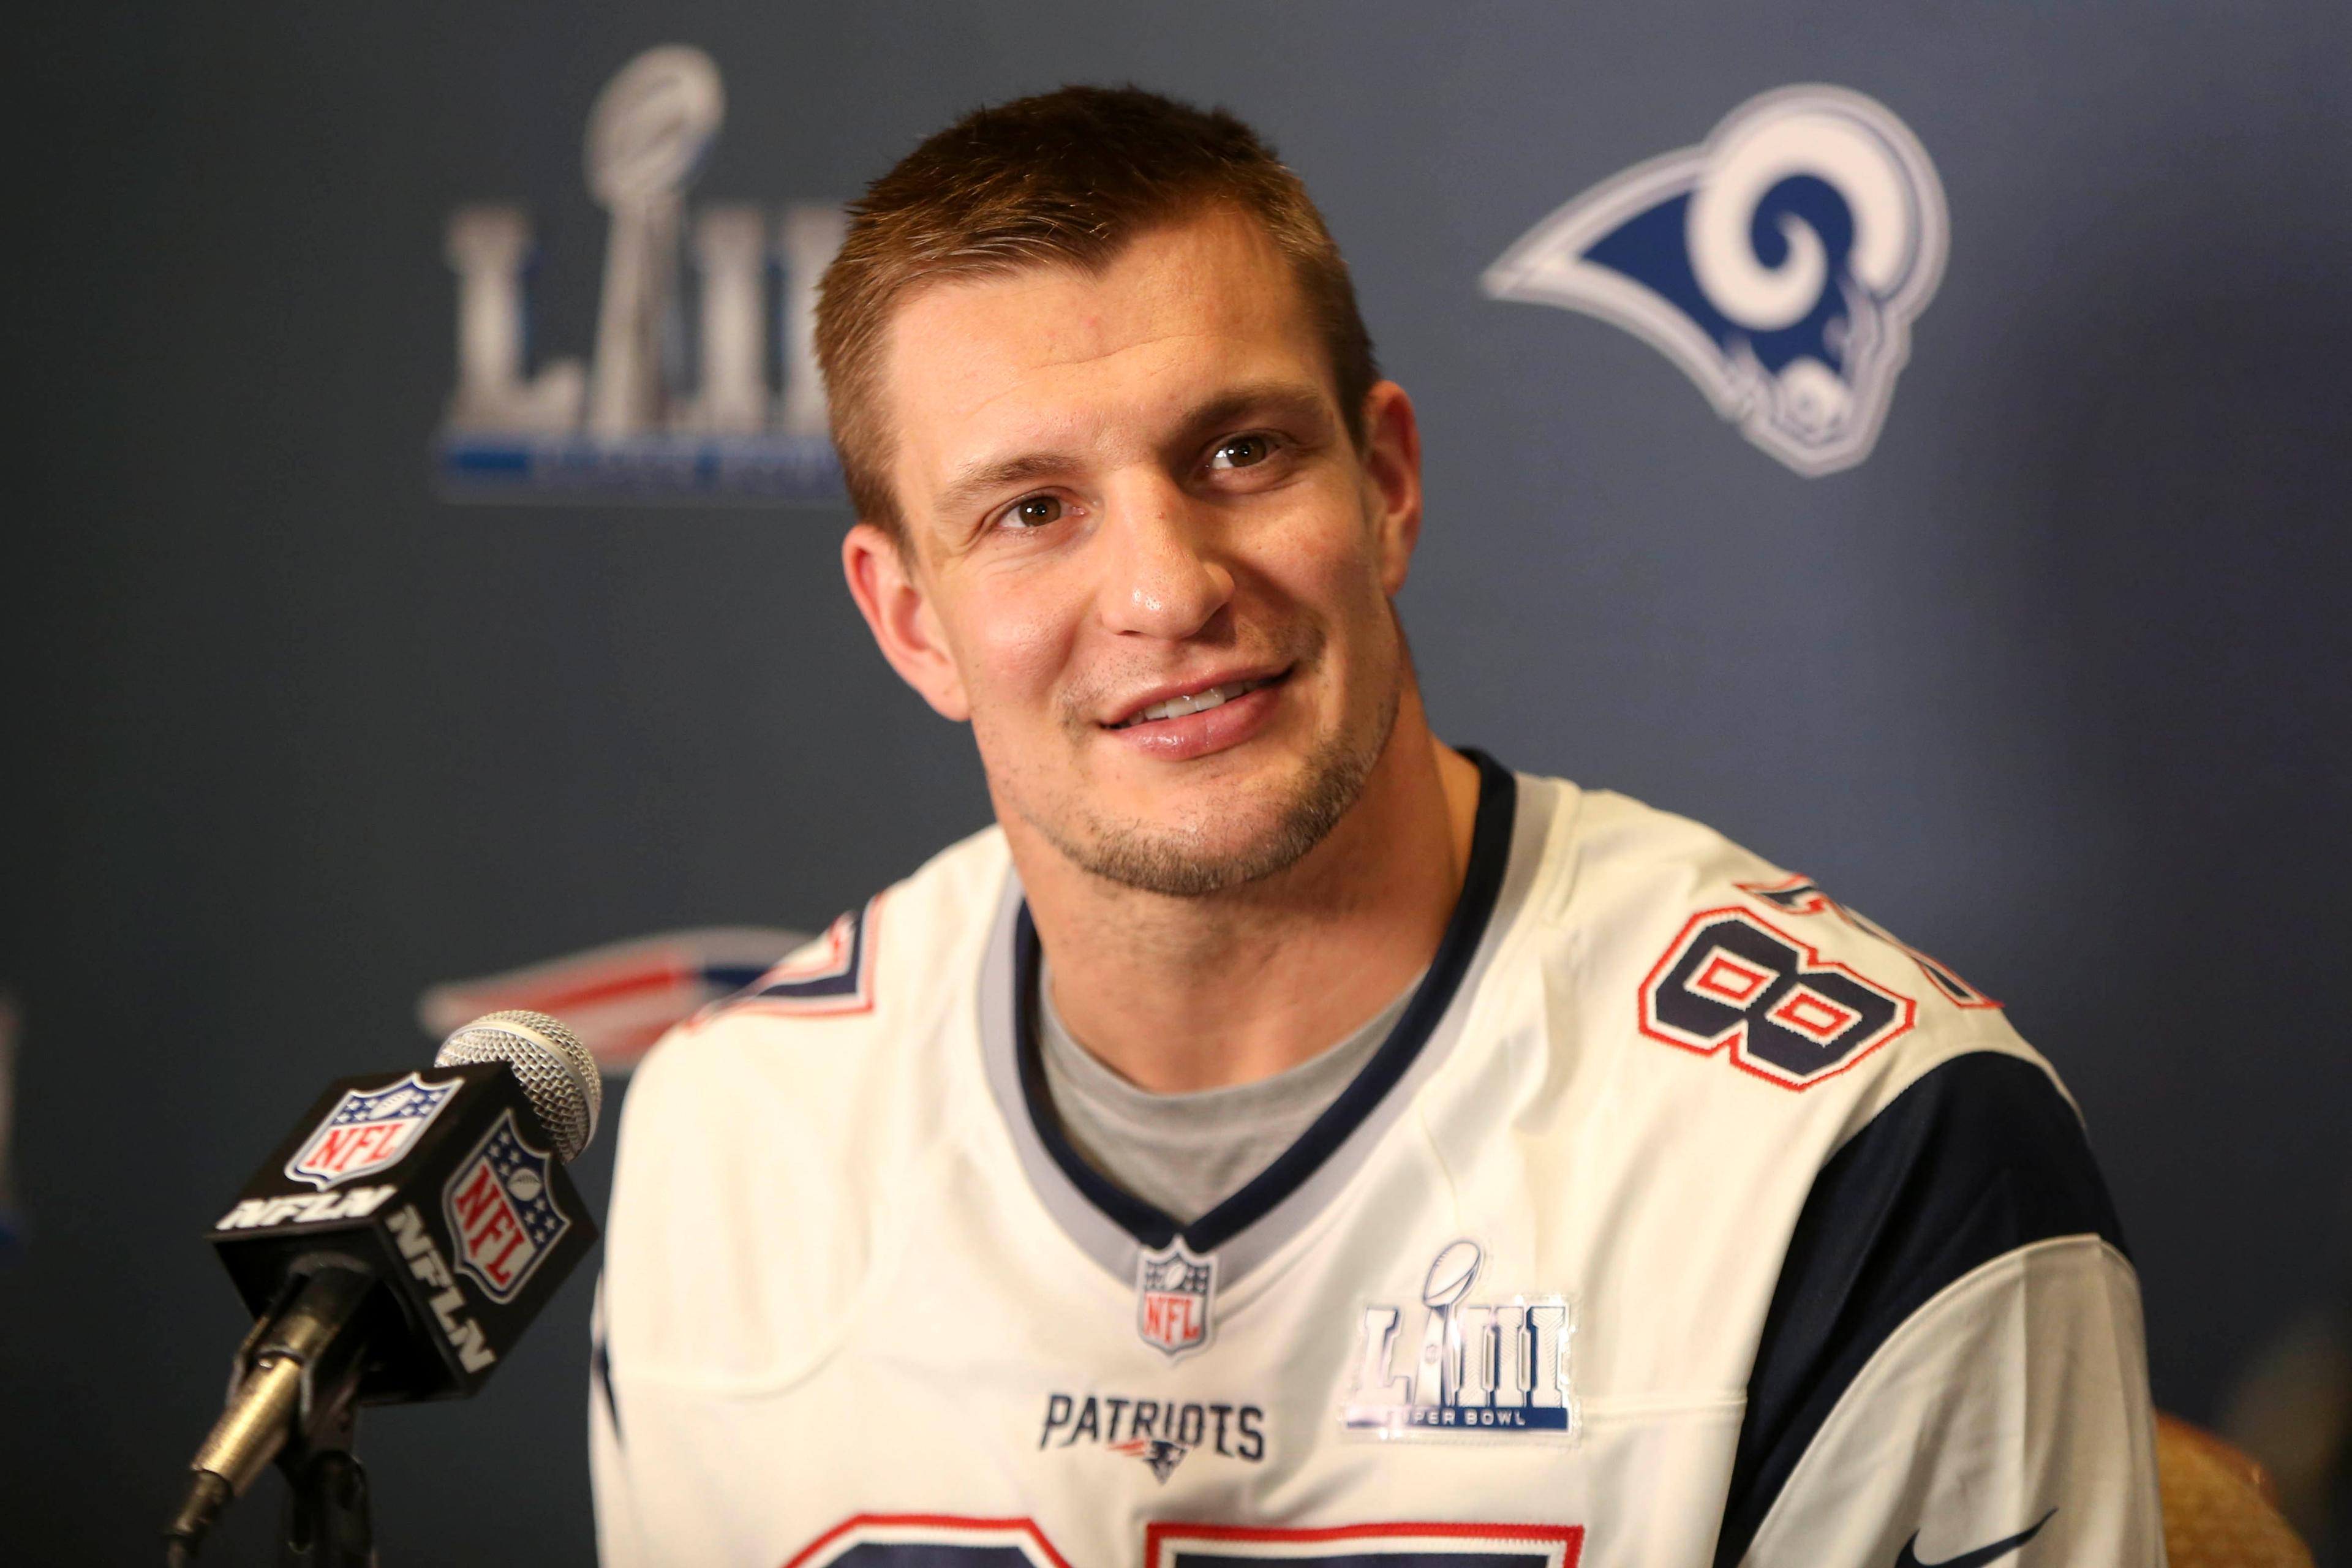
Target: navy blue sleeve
<point>1979,1157</point>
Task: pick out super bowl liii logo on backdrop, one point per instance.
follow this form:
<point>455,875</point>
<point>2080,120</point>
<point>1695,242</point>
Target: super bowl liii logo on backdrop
<point>1494,1368</point>
<point>625,425</point>
<point>1779,263</point>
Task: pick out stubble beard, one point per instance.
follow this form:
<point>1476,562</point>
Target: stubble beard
<point>1180,863</point>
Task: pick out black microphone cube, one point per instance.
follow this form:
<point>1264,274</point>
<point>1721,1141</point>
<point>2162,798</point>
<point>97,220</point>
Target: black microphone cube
<point>442,1184</point>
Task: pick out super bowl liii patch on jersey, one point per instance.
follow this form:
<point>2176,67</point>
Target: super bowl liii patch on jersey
<point>1483,1369</point>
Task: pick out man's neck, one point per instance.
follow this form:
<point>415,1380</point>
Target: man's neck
<point>1185,994</point>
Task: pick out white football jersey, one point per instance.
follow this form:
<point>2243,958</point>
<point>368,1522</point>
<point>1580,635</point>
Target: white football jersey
<point>1685,1219</point>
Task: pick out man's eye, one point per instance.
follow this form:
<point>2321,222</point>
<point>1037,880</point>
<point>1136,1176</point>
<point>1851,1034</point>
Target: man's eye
<point>1036,511</point>
<point>1241,452</point>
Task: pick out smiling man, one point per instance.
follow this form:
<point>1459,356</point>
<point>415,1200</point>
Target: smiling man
<point>1283,1135</point>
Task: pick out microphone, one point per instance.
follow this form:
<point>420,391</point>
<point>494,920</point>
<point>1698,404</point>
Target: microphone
<point>395,1248</point>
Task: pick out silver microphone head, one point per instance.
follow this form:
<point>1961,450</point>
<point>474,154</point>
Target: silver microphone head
<point>557,1072</point>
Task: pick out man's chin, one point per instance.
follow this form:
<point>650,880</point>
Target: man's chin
<point>1175,867</point>
<point>1218,838</point>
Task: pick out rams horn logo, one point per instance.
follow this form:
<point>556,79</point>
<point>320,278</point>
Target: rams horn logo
<point>1779,263</point>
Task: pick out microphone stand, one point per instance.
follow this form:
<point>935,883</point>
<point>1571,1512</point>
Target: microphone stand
<point>294,1398</point>
<point>326,1523</point>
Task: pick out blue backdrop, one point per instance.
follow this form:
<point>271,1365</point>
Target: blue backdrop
<point>2048,684</point>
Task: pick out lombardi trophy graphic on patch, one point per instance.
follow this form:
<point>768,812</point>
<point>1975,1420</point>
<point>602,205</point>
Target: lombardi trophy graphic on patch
<point>1779,263</point>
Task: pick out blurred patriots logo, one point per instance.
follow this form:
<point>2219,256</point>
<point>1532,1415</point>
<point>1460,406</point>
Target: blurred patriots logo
<point>623,997</point>
<point>1162,1455</point>
<point>1779,263</point>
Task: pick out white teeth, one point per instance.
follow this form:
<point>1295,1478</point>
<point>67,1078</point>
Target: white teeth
<point>1197,702</point>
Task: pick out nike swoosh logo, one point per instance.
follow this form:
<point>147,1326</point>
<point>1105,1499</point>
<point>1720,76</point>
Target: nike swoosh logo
<point>1977,1559</point>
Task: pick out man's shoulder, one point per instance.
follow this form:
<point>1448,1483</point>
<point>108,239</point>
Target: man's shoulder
<point>850,1047</point>
<point>764,1143</point>
<point>1782,1088</point>
<point>1742,1025</point>
<point>1713,953</point>
<point>1750,1008</point>
<point>891,963</point>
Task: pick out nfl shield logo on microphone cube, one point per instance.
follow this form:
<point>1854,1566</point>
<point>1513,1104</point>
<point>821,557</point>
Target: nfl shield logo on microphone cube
<point>368,1131</point>
<point>499,1213</point>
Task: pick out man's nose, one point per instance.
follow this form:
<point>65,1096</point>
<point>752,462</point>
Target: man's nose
<point>1166,577</point>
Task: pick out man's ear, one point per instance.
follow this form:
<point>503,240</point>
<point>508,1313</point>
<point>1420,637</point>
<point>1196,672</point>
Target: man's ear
<point>898,610</point>
<point>1393,479</point>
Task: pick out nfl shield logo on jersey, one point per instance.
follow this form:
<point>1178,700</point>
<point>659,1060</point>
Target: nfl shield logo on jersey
<point>500,1212</point>
<point>369,1130</point>
<point>1172,1291</point>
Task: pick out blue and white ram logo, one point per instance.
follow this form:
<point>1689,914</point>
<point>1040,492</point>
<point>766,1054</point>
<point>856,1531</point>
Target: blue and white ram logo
<point>1779,263</point>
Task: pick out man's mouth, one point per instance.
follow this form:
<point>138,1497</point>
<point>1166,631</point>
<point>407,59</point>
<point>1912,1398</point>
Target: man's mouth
<point>1195,702</point>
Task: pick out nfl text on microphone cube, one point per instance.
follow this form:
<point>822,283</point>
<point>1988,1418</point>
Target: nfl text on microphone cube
<point>443,1183</point>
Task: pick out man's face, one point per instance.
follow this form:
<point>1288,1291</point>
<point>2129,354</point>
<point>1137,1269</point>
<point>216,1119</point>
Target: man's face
<point>1146,560</point>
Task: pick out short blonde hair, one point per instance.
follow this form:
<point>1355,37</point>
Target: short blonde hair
<point>1066,178</point>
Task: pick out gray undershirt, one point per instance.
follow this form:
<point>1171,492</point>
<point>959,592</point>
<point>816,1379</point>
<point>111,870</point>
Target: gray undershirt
<point>1186,1154</point>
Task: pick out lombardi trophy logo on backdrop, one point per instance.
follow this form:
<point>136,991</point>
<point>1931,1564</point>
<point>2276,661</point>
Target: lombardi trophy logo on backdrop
<point>624,426</point>
<point>1779,264</point>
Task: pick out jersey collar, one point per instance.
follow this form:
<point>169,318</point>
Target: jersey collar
<point>1114,1225</point>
